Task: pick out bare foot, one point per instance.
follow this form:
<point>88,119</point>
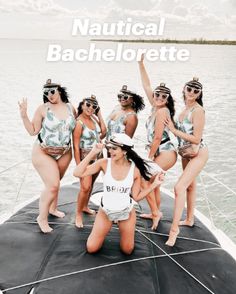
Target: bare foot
<point>79,220</point>
<point>44,226</point>
<point>172,237</point>
<point>146,215</point>
<point>155,220</point>
<point>89,211</point>
<point>186,222</point>
<point>57,213</point>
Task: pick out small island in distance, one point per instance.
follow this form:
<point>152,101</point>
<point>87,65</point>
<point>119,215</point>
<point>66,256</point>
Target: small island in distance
<point>200,41</point>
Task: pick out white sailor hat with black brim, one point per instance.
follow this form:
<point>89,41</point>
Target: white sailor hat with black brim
<point>121,140</point>
<point>194,83</point>
<point>49,84</point>
<point>92,99</point>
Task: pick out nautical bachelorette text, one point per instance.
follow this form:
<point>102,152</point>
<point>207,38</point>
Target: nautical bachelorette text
<point>120,51</point>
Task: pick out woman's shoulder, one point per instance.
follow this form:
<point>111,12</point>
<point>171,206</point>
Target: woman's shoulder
<point>162,112</point>
<point>42,108</point>
<point>136,172</point>
<point>103,163</point>
<point>198,109</point>
<point>79,121</point>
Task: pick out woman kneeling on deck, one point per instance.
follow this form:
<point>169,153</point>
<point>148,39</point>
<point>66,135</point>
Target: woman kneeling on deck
<point>122,182</point>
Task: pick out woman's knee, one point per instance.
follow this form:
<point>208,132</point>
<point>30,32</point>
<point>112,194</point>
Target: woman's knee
<point>179,189</point>
<point>127,248</point>
<point>85,187</point>
<point>92,247</point>
<point>54,188</point>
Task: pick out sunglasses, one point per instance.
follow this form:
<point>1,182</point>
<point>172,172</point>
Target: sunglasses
<point>123,96</point>
<point>190,89</point>
<point>161,96</point>
<point>90,104</point>
<point>51,91</point>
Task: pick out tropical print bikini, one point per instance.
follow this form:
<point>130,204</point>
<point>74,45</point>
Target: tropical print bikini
<point>56,132</point>
<point>89,137</point>
<point>186,126</point>
<point>166,144</point>
<point>117,126</point>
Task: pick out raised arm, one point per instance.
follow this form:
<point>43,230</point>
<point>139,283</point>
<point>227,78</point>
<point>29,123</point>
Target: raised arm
<point>137,194</point>
<point>145,80</point>
<point>32,127</point>
<point>198,119</point>
<point>83,169</point>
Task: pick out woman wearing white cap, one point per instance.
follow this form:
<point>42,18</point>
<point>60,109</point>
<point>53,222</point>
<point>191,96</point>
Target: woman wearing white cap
<point>194,153</point>
<point>123,119</point>
<point>122,181</point>
<point>90,129</point>
<point>161,149</point>
<point>53,123</point>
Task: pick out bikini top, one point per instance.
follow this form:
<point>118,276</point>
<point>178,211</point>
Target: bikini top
<point>150,127</point>
<point>57,132</point>
<point>185,126</point>
<point>117,126</point>
<point>89,137</point>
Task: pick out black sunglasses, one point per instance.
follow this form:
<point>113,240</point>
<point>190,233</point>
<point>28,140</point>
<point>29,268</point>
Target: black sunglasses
<point>123,96</point>
<point>190,89</point>
<point>90,104</point>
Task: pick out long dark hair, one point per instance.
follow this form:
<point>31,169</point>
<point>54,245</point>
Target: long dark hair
<point>170,104</point>
<point>199,99</point>
<point>79,109</point>
<point>139,162</point>
<point>63,94</point>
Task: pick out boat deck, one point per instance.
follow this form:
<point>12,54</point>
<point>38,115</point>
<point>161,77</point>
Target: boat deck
<point>197,264</point>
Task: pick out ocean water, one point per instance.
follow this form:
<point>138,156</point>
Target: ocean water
<point>24,70</point>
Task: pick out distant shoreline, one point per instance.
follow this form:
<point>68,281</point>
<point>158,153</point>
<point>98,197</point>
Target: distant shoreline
<point>171,41</point>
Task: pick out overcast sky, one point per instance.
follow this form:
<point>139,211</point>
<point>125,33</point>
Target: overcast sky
<point>52,19</point>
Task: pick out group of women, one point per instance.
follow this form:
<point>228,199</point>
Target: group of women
<point>127,177</point>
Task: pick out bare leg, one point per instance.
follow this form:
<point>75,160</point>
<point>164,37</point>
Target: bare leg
<point>85,189</point>
<point>86,209</point>
<point>101,228</point>
<point>192,169</point>
<point>127,232</point>
<point>165,160</point>
<point>156,214</point>
<point>47,168</point>
<point>63,164</point>
<point>191,200</point>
